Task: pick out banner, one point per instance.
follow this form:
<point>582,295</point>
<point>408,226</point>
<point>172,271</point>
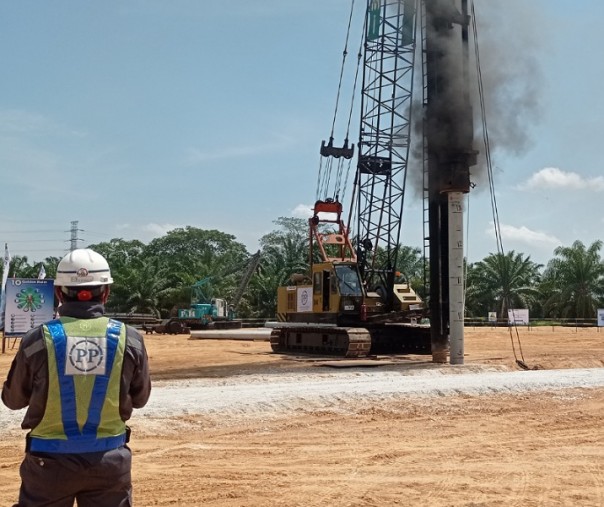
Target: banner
<point>518,317</point>
<point>600,317</point>
<point>42,272</point>
<point>29,303</point>
<point>3,286</point>
<point>304,299</point>
<point>375,20</point>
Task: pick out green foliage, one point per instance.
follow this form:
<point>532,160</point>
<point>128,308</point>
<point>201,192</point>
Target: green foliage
<point>50,266</point>
<point>573,281</point>
<point>284,252</point>
<point>125,259</point>
<point>501,282</point>
<point>286,226</point>
<point>157,277</point>
<point>20,268</point>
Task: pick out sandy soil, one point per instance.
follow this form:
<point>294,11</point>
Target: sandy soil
<point>451,447</point>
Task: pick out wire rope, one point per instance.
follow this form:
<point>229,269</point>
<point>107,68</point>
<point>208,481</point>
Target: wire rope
<point>325,174</point>
<point>496,225</point>
<point>350,111</point>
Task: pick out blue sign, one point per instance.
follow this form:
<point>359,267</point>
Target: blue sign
<point>29,303</point>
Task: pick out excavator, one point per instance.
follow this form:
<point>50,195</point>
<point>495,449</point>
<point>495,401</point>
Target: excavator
<point>353,301</point>
<point>205,312</point>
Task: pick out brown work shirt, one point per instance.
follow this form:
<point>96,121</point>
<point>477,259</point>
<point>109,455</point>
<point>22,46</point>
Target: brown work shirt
<point>27,381</point>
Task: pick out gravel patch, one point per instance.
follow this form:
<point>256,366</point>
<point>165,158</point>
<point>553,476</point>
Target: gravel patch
<point>266,395</point>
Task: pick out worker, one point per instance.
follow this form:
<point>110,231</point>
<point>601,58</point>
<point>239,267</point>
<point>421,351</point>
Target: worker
<point>80,377</point>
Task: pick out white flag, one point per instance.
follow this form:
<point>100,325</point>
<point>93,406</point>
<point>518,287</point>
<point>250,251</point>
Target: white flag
<point>3,287</point>
<point>42,272</point>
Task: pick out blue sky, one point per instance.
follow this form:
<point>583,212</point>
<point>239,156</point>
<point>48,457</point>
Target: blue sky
<point>135,117</point>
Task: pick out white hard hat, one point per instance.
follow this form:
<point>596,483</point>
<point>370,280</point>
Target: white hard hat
<point>83,267</point>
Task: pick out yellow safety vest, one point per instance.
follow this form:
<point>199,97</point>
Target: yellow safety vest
<point>85,358</point>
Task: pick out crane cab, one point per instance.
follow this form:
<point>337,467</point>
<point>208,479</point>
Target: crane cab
<point>333,294</point>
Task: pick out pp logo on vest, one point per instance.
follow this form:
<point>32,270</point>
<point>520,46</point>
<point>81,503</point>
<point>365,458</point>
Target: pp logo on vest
<point>86,356</point>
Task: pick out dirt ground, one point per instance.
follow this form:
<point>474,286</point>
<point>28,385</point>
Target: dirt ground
<point>522,449</point>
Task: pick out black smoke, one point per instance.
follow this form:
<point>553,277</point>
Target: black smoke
<point>508,46</point>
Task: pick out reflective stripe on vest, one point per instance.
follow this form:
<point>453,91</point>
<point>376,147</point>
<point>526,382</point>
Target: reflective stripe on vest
<point>74,440</point>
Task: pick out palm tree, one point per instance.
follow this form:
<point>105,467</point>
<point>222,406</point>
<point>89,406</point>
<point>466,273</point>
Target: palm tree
<point>146,284</point>
<point>50,266</point>
<point>21,268</point>
<point>574,281</point>
<point>410,262</point>
<point>278,263</point>
<point>284,252</point>
<point>501,282</point>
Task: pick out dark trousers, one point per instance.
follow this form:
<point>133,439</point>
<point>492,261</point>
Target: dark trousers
<point>95,479</point>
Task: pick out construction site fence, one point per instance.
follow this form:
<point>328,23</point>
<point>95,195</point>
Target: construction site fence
<point>138,319</point>
<point>135,319</point>
<point>148,319</point>
<point>533,323</point>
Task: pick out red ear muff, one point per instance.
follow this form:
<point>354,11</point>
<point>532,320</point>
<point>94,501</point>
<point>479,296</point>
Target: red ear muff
<point>84,295</point>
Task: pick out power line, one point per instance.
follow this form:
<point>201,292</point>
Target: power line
<point>51,249</point>
<point>31,240</point>
<point>31,231</point>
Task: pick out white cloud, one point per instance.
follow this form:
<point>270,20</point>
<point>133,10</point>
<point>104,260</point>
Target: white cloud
<point>195,156</point>
<point>526,236</point>
<point>306,211</point>
<point>20,122</point>
<point>302,211</point>
<point>144,233</point>
<point>552,177</point>
<point>39,162</point>
<point>160,229</point>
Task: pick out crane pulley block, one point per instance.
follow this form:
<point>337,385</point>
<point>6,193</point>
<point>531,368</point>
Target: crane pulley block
<point>329,150</point>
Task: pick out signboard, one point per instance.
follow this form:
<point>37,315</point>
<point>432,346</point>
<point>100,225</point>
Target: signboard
<point>29,303</point>
<point>518,317</point>
<point>304,299</point>
<point>600,317</point>
<point>493,317</point>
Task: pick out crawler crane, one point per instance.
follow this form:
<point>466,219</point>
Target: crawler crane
<point>352,302</point>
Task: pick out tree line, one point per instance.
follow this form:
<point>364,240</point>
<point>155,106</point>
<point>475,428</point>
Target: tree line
<point>157,277</point>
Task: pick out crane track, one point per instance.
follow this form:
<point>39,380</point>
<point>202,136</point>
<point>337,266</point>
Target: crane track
<point>337,341</point>
<point>351,342</point>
